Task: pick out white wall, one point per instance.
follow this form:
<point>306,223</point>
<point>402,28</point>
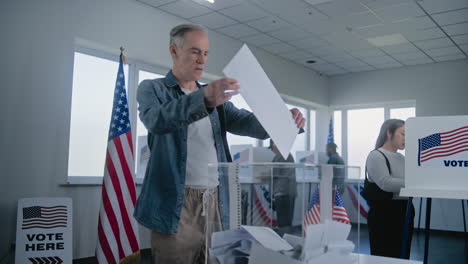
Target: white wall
<point>438,89</point>
<point>37,46</point>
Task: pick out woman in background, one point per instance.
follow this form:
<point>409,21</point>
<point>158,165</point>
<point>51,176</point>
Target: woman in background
<point>385,177</point>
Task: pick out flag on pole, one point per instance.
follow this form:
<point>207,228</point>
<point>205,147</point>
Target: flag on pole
<point>117,229</point>
<point>339,212</point>
<point>330,138</point>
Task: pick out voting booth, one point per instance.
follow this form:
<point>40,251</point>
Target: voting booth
<point>436,161</point>
<point>273,196</point>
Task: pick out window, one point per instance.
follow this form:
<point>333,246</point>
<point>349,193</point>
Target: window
<point>142,152</point>
<point>300,142</point>
<point>92,95</point>
<point>403,114</point>
<point>337,131</point>
<point>363,129</point>
<point>312,129</point>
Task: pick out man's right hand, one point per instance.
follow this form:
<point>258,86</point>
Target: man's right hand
<point>220,91</point>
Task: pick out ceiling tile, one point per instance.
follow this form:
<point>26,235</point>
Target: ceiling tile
<point>417,23</point>
<point>279,6</point>
<point>341,8</point>
<point>219,4</point>
<point>461,39</point>
<point>156,3</point>
<point>290,34</point>
<point>238,31</point>
<point>279,48</point>
<point>244,12</point>
<point>309,43</point>
<point>410,56</point>
<point>353,63</point>
<point>379,4</point>
<point>326,67</point>
<point>303,17</point>
<point>376,31</point>
<point>367,53</point>
<point>297,55</point>
<point>347,41</point>
<point>416,61</point>
<point>464,48</point>
<point>437,6</point>
<point>324,50</point>
<point>213,20</point>
<point>260,40</point>
<point>434,43</point>
<point>185,9</point>
<point>269,23</point>
<point>400,48</point>
<point>379,60</point>
<point>450,57</point>
<point>338,57</point>
<point>457,29</point>
<point>359,20</point>
<point>387,65</point>
<point>399,12</point>
<point>452,17</point>
<point>361,69</point>
<point>424,34</point>
<point>443,51</point>
<point>335,72</point>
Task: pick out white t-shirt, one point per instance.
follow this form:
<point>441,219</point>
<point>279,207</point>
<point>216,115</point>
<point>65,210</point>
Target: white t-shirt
<point>201,150</point>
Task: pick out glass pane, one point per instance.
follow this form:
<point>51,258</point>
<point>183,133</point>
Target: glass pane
<point>232,139</point>
<point>92,95</point>
<point>337,130</point>
<point>363,129</point>
<point>403,113</point>
<point>142,153</point>
<point>312,120</point>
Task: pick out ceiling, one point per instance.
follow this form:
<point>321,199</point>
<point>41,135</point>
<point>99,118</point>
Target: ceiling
<point>342,36</point>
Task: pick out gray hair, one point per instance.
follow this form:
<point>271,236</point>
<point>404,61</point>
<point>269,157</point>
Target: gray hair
<point>177,34</point>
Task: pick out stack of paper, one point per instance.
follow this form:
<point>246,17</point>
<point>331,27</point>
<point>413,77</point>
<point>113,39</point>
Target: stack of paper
<point>234,246</point>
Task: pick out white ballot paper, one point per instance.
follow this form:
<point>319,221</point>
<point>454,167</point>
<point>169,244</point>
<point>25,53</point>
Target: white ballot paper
<point>262,97</point>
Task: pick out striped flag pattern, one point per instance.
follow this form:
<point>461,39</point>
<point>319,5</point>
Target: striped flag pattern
<point>356,197</point>
<point>443,144</point>
<point>117,229</point>
<point>312,216</point>
<point>262,215</point>
<point>44,217</point>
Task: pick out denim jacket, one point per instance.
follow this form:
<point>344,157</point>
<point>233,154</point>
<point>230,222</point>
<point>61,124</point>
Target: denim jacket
<point>167,112</point>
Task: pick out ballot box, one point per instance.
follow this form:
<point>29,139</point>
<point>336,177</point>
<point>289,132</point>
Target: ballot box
<point>286,199</point>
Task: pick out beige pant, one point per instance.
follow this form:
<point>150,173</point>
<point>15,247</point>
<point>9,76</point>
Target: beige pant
<point>199,217</point>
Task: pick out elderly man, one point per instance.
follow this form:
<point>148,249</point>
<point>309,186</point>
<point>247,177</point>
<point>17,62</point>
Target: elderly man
<point>187,124</point>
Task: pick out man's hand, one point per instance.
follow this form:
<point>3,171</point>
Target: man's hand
<point>220,91</point>
<point>298,118</point>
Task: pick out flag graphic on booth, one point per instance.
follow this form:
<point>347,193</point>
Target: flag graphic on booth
<point>262,213</point>
<point>117,229</point>
<point>312,215</point>
<point>443,144</point>
<point>355,193</point>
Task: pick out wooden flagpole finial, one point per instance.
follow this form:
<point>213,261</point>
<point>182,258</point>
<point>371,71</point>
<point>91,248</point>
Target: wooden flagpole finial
<point>124,59</point>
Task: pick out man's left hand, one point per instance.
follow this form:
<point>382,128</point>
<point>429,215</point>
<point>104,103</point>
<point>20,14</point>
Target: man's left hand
<point>298,118</point>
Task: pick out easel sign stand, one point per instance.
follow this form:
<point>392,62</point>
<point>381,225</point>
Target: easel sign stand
<point>436,163</point>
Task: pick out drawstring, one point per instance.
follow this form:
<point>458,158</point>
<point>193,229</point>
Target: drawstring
<point>206,200</point>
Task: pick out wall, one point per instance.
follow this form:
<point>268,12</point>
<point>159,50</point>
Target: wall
<point>439,89</point>
<point>38,42</point>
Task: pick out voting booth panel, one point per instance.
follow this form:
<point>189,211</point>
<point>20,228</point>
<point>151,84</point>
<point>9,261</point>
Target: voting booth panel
<point>286,197</point>
<point>437,157</point>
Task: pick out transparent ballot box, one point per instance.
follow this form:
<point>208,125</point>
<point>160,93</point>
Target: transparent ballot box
<point>287,199</point>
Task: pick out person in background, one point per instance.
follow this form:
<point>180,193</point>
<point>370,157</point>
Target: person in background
<point>182,201</point>
<point>338,172</point>
<point>284,191</point>
<point>386,176</point>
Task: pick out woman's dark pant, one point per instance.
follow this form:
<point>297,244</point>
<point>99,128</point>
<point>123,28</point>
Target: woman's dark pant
<point>386,223</point>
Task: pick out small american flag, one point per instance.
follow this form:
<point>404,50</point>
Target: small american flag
<point>242,156</point>
<point>443,144</point>
<point>312,216</point>
<point>117,229</point>
<point>44,217</point>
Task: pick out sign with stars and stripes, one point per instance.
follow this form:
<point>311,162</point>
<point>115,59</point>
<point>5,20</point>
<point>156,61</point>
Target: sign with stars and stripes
<point>44,231</point>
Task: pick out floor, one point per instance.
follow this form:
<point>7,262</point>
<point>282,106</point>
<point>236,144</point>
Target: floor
<point>445,247</point>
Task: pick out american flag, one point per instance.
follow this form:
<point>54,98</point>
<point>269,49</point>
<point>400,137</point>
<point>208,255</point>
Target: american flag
<point>117,229</point>
<point>44,217</point>
<point>355,193</point>
<point>312,216</point>
<point>330,138</point>
<point>443,144</point>
<point>242,156</point>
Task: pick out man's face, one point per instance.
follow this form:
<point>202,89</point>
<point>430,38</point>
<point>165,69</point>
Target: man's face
<point>190,59</point>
